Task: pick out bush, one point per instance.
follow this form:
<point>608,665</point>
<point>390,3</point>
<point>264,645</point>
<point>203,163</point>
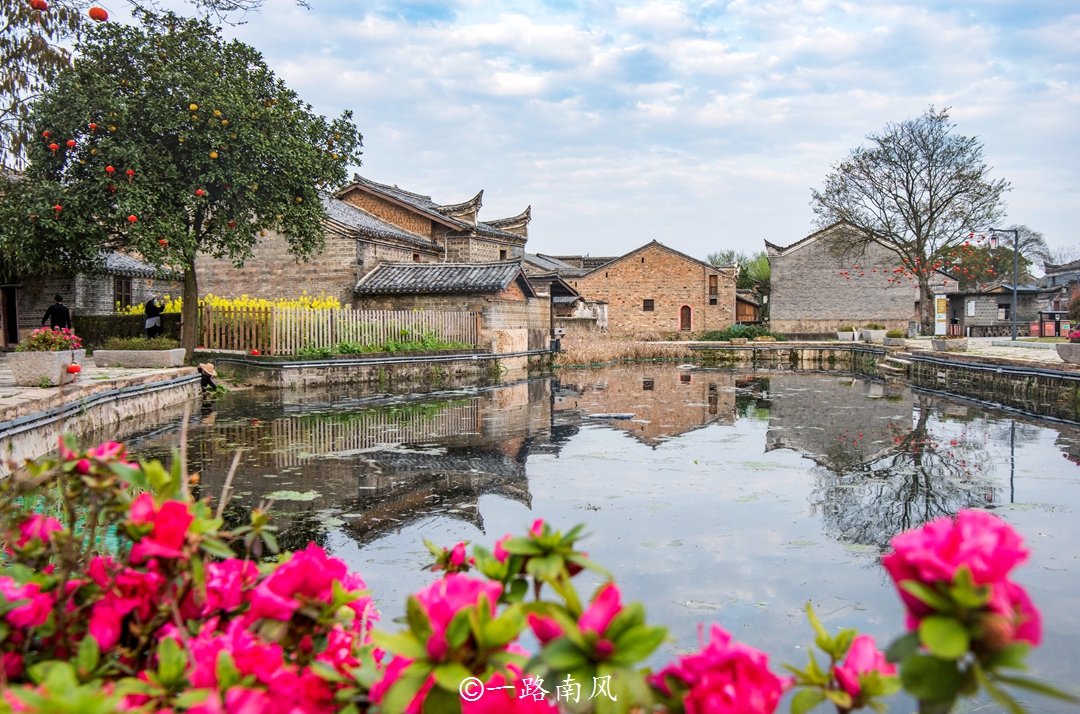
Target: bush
<point>141,343</point>
<point>750,332</point>
<point>95,330</point>
<point>849,328</point>
<point>874,326</point>
<point>140,600</point>
<point>46,339</point>
<point>1074,312</point>
<point>895,334</point>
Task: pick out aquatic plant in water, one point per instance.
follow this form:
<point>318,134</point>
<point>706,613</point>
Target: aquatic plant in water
<point>173,613</point>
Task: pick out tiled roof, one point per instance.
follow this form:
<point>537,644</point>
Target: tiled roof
<point>484,229</point>
<point>347,215</point>
<point>440,278</point>
<point>566,299</point>
<point>547,263</point>
<point>120,264</point>
<point>1072,267</point>
<point>661,246</point>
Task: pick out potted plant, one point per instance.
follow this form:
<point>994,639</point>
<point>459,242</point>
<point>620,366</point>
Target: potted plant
<point>1070,351</point>
<point>43,358</point>
<point>846,334</point>
<point>140,353</point>
<point>895,338</point>
<point>949,343</point>
<point>874,332</point>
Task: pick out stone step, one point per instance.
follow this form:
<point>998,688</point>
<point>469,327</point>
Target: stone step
<point>889,369</point>
<point>898,361</point>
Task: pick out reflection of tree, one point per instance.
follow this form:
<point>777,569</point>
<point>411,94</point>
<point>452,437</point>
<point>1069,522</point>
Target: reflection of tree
<point>920,479</point>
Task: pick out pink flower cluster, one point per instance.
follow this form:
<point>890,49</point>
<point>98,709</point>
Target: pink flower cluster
<point>983,544</point>
<point>725,677</point>
<point>593,622</point>
<point>863,657</point>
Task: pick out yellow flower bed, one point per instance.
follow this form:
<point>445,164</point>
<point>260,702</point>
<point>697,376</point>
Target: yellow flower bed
<point>325,302</point>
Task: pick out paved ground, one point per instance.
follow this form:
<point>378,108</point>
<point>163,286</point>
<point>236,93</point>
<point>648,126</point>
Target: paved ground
<point>984,347</point>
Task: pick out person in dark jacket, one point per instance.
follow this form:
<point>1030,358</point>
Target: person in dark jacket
<point>57,314</point>
<point>153,309</point>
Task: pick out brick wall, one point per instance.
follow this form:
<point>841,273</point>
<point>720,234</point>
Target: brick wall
<point>667,279</point>
<point>272,272</point>
<point>809,296</point>
<point>96,294</point>
<point>371,254</point>
<point>390,212</point>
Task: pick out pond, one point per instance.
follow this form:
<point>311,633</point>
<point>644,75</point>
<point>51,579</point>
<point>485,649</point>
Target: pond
<point>714,496</point>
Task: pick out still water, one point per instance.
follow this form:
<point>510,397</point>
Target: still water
<point>716,496</point>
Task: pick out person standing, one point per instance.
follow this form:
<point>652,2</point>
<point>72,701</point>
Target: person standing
<point>57,314</point>
<point>153,309</point>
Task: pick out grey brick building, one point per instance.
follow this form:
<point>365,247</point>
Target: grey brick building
<point>815,291</point>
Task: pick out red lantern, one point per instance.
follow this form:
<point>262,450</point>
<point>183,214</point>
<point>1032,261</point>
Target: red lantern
<point>39,5</point>
<point>58,208</point>
<point>54,147</point>
<point>132,219</point>
<point>199,192</point>
<point>98,14</point>
<point>71,143</point>
<point>46,134</point>
<point>232,224</point>
<point>109,169</point>
<point>112,188</point>
<point>163,241</point>
<point>74,369</point>
<point>129,173</point>
<point>93,126</point>
<point>255,352</point>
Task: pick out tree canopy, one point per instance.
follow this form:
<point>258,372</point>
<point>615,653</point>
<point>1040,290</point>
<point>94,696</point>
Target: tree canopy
<point>919,190</point>
<point>753,269</point>
<point>168,141</point>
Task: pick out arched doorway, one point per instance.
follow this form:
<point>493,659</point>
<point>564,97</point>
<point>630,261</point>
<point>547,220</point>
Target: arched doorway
<point>685,321</point>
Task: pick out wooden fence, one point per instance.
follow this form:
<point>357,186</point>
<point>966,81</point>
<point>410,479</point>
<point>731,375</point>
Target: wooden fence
<point>287,330</point>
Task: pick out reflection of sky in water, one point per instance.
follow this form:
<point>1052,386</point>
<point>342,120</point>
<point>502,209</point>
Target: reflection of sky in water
<point>725,497</point>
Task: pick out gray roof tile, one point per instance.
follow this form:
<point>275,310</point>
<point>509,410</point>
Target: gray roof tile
<point>365,223</point>
<point>120,264</point>
<point>391,278</point>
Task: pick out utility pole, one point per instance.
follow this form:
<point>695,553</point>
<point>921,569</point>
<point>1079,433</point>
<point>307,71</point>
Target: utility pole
<point>1016,266</point>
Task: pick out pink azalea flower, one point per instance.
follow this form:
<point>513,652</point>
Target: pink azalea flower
<point>340,652</point>
<point>1024,622</point>
<point>545,628</point>
<point>228,585</point>
<point>309,575</point>
<point>39,527</point>
<point>30,614</point>
<point>126,591</point>
<point>65,453</point>
<point>238,700</point>
<point>106,451</point>
<point>725,678</point>
<point>862,657</point>
<point>444,598</point>
<point>252,656</point>
<point>605,606</point>
<point>83,466</point>
<point>12,664</point>
<point>391,675</point>
<point>537,528</point>
<point>457,555</point>
<point>499,552</point>
<point>170,523</point>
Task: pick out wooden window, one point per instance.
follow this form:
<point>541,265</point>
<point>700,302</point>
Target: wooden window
<point>502,254</point>
<point>712,301</point>
<point>122,292</point>
<point>416,257</point>
<point>713,286</point>
<point>648,305</point>
<point>1004,310</point>
<point>647,385</point>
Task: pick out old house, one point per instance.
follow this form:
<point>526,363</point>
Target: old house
<point>369,224</point>
<point>987,312</point>
<point>1060,285</point>
<point>747,307</point>
<point>814,291</point>
<point>513,317</point>
<point>657,289</point>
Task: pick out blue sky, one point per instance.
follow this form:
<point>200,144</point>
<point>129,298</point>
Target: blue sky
<point>701,124</point>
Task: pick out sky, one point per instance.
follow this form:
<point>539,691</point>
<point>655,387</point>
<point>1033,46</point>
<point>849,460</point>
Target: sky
<point>703,125</point>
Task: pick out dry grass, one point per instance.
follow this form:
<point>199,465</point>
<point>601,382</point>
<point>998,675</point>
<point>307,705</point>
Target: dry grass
<point>602,350</point>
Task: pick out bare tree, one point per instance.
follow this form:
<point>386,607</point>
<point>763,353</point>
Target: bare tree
<point>918,190</point>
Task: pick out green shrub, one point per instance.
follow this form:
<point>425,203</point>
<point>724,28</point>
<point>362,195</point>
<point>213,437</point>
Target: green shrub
<point>895,333</point>
<point>141,343</point>
<point>849,328</point>
<point>315,352</point>
<point>750,332</point>
<point>46,339</point>
<point>874,326</point>
<point>95,330</point>
<point>1074,313</point>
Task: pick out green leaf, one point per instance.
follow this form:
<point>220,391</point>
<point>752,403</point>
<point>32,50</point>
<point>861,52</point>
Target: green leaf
<point>902,647</point>
<point>418,619</point>
<point>1033,685</point>
<point>442,701</point>
<point>171,662</point>
<point>86,660</point>
<point>548,567</point>
<point>822,633</point>
<point>841,699</point>
<point>458,631</point>
<point>227,674</point>
<point>562,655</point>
<point>503,629</point>
<point>192,697</point>
<point>589,564</point>
<point>1000,695</point>
<point>215,547</point>
<point>522,546</point>
<point>1011,656</point>
<point>519,588</point>
<point>449,676</point>
<point>630,616</point>
<point>927,595</point>
<point>637,643</point>
<point>944,636</point>
<point>405,645</point>
<point>806,700</point>
<point>842,643</point>
<point>931,679</point>
<point>402,692</point>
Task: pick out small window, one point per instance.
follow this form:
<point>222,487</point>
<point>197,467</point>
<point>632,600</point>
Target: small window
<point>605,275</point>
<point>122,292</point>
<point>502,254</point>
<point>648,305</point>
<point>713,286</point>
<point>1004,310</point>
<point>646,385</point>
<point>416,257</point>
<point>642,259</point>
<point>712,301</point>
<point>684,379</point>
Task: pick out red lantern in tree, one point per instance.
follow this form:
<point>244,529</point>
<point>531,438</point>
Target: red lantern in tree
<point>129,173</point>
<point>163,241</point>
<point>54,147</point>
<point>98,14</point>
<point>109,169</point>
<point>46,134</point>
<point>232,224</point>
<point>39,5</point>
<point>71,143</point>
<point>132,219</point>
<point>93,126</point>
<point>58,208</point>
<point>199,192</point>
<point>112,188</point>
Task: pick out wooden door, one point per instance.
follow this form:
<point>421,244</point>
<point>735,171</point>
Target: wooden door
<point>9,315</point>
<point>684,318</point>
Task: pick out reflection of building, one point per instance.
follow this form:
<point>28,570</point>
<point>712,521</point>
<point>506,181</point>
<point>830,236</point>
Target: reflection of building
<point>664,401</point>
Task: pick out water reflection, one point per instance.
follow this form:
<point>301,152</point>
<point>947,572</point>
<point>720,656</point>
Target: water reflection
<point>713,495</point>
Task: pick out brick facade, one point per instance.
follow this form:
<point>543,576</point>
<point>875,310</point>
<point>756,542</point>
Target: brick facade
<point>809,296</point>
<point>272,272</point>
<point>391,212</point>
<point>671,281</point>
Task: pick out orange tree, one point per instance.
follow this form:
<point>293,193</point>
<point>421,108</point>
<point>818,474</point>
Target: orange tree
<point>166,140</point>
